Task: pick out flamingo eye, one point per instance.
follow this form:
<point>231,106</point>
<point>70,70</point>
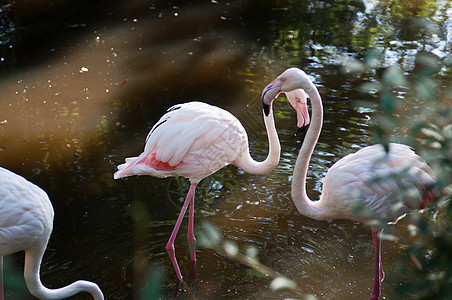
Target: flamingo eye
<point>298,99</point>
<point>282,79</point>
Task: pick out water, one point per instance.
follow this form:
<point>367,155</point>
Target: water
<point>81,90</point>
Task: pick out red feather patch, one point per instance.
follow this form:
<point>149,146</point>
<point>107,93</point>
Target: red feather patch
<point>156,164</point>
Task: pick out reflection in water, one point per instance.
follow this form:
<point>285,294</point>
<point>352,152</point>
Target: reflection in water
<point>79,95</point>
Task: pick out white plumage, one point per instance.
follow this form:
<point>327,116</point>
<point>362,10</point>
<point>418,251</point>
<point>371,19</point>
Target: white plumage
<point>26,222</point>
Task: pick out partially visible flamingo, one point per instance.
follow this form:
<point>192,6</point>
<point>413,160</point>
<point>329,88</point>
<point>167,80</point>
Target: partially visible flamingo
<point>26,222</point>
<point>194,140</point>
<point>363,186</point>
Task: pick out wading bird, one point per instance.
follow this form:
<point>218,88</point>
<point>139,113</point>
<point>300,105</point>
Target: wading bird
<point>26,222</point>
<point>194,140</point>
<point>364,186</point>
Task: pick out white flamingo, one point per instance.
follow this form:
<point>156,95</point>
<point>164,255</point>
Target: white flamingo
<point>194,140</point>
<point>363,186</point>
<point>26,222</point>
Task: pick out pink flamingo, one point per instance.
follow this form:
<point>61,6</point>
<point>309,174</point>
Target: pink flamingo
<point>194,140</point>
<point>364,186</point>
<point>26,222</point>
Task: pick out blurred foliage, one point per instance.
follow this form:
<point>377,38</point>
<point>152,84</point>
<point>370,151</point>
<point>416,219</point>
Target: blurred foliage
<point>153,284</point>
<point>211,238</point>
<point>415,109</point>
<point>13,276</point>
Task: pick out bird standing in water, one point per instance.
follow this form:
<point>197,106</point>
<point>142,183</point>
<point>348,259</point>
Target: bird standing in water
<point>194,140</point>
<point>363,186</point>
<point>26,222</point>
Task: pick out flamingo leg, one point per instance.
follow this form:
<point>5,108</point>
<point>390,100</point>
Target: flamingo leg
<point>170,245</point>
<point>1,278</point>
<point>191,234</point>
<point>375,236</point>
<point>379,273</point>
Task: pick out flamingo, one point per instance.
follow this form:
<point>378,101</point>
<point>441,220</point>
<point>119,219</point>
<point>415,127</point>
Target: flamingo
<point>194,140</point>
<point>363,186</point>
<point>26,222</point>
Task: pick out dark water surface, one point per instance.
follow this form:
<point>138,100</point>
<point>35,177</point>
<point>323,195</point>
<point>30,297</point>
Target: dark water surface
<point>81,85</point>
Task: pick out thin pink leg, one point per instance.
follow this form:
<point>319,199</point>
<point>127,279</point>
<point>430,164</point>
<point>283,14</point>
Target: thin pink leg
<point>170,245</point>
<point>376,235</point>
<point>1,278</point>
<point>191,234</point>
<point>379,274</point>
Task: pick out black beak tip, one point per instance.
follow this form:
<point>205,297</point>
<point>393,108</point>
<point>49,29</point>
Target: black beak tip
<point>266,109</point>
<point>300,130</point>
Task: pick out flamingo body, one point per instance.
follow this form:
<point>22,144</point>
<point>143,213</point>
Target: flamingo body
<point>26,222</point>
<point>194,140</point>
<point>26,214</point>
<point>367,185</point>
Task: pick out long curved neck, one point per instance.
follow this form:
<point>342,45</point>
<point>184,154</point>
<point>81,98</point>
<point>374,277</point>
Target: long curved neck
<point>305,205</point>
<point>249,165</point>
<point>33,257</point>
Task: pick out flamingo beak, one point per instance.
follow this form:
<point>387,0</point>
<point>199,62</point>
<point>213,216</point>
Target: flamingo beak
<point>303,119</point>
<point>297,99</point>
<point>270,93</point>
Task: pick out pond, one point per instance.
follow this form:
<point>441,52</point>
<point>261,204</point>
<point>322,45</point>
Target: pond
<point>82,84</point>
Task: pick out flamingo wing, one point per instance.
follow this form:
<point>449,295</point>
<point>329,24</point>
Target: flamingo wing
<point>374,184</point>
<point>192,139</point>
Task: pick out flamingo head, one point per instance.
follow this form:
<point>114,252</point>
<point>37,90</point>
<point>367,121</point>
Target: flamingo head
<point>292,82</point>
<point>297,99</point>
